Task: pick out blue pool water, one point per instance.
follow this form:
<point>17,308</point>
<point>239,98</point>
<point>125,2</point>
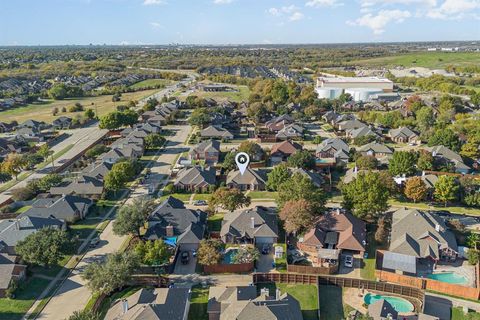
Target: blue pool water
<point>449,277</point>
<point>228,255</point>
<point>399,304</point>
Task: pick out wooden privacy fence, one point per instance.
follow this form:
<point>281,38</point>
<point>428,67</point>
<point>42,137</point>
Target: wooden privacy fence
<point>311,270</point>
<point>229,268</point>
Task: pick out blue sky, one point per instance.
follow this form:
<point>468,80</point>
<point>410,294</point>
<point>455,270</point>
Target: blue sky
<point>57,22</point>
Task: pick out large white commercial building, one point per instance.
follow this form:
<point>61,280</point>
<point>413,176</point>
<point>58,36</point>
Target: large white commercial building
<point>359,87</point>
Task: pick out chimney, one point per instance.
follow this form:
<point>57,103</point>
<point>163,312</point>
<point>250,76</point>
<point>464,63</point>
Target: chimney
<point>277,294</point>
<point>264,291</point>
<point>252,220</point>
<point>124,306</point>
<point>355,170</point>
<point>169,231</point>
<point>423,173</point>
<point>338,211</point>
<point>17,224</point>
<point>437,227</point>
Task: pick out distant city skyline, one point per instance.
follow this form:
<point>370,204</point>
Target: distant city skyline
<point>144,22</point>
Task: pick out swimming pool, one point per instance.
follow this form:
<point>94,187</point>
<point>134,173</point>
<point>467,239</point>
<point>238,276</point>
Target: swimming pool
<point>229,254</point>
<point>399,304</point>
<point>449,277</point>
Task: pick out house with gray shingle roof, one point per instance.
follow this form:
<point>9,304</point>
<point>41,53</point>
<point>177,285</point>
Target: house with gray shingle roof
<point>423,235</point>
<point>333,148</point>
<point>82,185</point>
<point>62,122</point>
<point>350,125</point>
<point>67,208</point>
<point>446,155</point>
<point>403,135</point>
<point>10,269</point>
<point>208,151</point>
<point>313,176</point>
<point>257,226</point>
<point>251,179</point>
<point>243,303</point>
<point>216,132</point>
<point>98,170</point>
<point>195,179</point>
<point>291,131</point>
<point>361,132</point>
<point>375,149</point>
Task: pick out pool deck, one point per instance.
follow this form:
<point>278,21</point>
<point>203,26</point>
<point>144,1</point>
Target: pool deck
<point>462,268</point>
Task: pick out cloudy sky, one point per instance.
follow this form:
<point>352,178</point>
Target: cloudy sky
<point>56,22</point>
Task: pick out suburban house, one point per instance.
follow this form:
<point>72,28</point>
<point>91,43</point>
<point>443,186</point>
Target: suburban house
<point>129,151</point>
<point>291,131</point>
<point>404,135</point>
<point>195,179</point>
<point>6,127</point>
<point>350,125</point>
<point>337,232</point>
<point>33,124</point>
<point>62,122</point>
<point>10,270</point>
<point>258,226</point>
<point>243,302</point>
<point>152,304</point>
<point>422,235</point>
<point>216,132</point>
<point>333,117</point>
<point>332,150</point>
<point>208,151</point>
<point>82,185</point>
<point>174,223</point>
<point>279,123</point>
<point>375,149</point>
<point>445,155</point>
<point>250,180</point>
<point>361,132</point>
<point>154,118</point>
<point>281,151</point>
<point>382,310</point>
<point>98,170</point>
<point>29,134</point>
<point>8,146</point>
<point>14,230</point>
<point>316,178</point>
<point>67,208</point>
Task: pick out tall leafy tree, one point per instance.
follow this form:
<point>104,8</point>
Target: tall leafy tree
<point>277,176</point>
<point>299,187</point>
<point>229,199</point>
<point>402,162</point>
<point>297,215</point>
<point>446,189</point>
<point>154,141</point>
<point>425,160</point>
<point>132,217</point>
<point>445,137</point>
<point>302,159</point>
<point>209,252</point>
<point>153,252</point>
<point>415,189</point>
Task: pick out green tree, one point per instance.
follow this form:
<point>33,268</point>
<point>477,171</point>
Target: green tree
<point>229,199</point>
<point>470,149</point>
<point>367,196</point>
<point>252,149</point>
<point>131,218</point>
<point>153,252</point>
<point>425,160</point>
<point>13,164</point>
<point>96,150</point>
<point>446,189</point>
<point>302,159</point>
<point>89,114</point>
<point>119,175</point>
<point>367,163</point>
<point>154,141</point>
<point>85,315</point>
<point>103,277</point>
<point>300,187</point>
<point>150,105</point>
<point>444,137</point>
<point>49,181</point>
<point>277,176</point>
<point>415,189</point>
<point>279,92</point>
<point>317,140</point>
<point>200,117</point>
<point>46,247</point>
<point>209,252</point>
<point>425,118</point>
<point>246,255</point>
<point>402,162</point>
<point>229,162</point>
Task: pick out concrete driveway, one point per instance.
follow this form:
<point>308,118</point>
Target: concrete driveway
<point>265,262</point>
<point>190,267</point>
<point>350,272</point>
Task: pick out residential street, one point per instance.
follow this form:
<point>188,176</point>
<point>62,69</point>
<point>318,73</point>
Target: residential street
<point>73,294</point>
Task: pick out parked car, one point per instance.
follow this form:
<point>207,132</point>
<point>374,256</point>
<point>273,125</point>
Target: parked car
<point>94,242</point>
<point>349,261</point>
<point>185,257</point>
<point>266,248</point>
<point>200,203</point>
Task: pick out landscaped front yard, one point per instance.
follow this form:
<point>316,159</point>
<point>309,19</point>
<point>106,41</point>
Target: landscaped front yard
<point>214,222</point>
<point>457,314</point>
<point>254,195</point>
<point>198,303</point>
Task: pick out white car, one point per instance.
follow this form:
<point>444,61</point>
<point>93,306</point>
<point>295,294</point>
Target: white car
<point>349,261</point>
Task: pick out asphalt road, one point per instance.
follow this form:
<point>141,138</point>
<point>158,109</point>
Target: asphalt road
<point>73,295</point>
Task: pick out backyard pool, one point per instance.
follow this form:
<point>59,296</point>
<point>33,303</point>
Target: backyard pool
<point>449,277</point>
<point>399,304</point>
<point>229,254</point>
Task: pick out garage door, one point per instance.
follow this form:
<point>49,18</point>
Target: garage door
<point>262,240</point>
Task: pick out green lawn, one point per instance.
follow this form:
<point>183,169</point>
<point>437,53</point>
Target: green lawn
<point>215,222</point>
<point>198,303</point>
<point>22,209</point>
<point>424,206</point>
<point>185,197</point>
<point>368,268</point>
<point>281,263</point>
<point>51,271</point>
<point>150,83</point>
<point>84,227</point>
<point>263,195</point>
<point>425,59</point>
<point>14,309</point>
<point>202,196</point>
<point>236,96</point>
<point>457,314</point>
<point>331,303</point>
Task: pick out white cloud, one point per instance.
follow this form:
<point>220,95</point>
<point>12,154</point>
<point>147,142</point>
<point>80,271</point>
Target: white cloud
<point>454,9</point>
<point>153,2</point>
<point>296,16</point>
<point>379,21</point>
<point>156,25</point>
<point>222,1</point>
<point>369,3</point>
<point>323,3</point>
<point>274,11</point>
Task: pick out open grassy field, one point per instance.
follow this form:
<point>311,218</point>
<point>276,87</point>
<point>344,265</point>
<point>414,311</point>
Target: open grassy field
<point>424,59</point>
<point>237,96</point>
<point>43,111</point>
<point>149,83</point>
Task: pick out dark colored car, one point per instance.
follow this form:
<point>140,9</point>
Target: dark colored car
<point>185,257</point>
<point>266,249</point>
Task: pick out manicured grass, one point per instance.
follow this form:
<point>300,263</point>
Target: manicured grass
<point>368,266</point>
<point>149,83</point>
<point>457,314</point>
<point>331,303</point>
<point>307,296</point>
<point>22,209</point>
<point>185,197</point>
<point>425,59</point>
<point>215,222</point>
<point>198,303</point>
<point>202,196</point>
<point>84,227</point>
<point>51,271</point>
<point>43,111</point>
<point>424,206</point>
<point>14,309</point>
<point>263,195</point>
<point>281,263</point>
<point>236,96</point>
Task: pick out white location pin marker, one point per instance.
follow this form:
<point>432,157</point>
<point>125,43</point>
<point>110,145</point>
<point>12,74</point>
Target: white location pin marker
<point>242,160</point>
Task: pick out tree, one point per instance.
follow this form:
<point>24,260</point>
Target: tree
<point>154,141</point>
<point>367,162</point>
<point>89,114</point>
<point>229,199</point>
<point>381,234</point>
<point>49,181</point>
<point>415,189</point>
<point>446,189</point>
<point>297,215</point>
<point>85,315</point>
<point>96,150</point>
<point>58,91</point>
<point>45,152</point>
<point>209,252</point>
<point>46,247</point>
<point>445,137</point>
<point>150,105</point>
<point>317,140</point>
<point>13,164</point>
<point>252,149</point>
<point>402,162</point>
<point>153,252</point>
<point>277,176</point>
<point>119,175</point>
<point>103,277</point>
<point>301,159</point>
<point>116,119</point>
<point>200,117</point>
<point>425,160</point>
<point>300,187</point>
<point>131,218</point>
<point>470,149</point>
<point>246,255</point>
<point>229,162</point>
<point>366,195</point>
<point>425,118</point>
<point>279,92</point>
